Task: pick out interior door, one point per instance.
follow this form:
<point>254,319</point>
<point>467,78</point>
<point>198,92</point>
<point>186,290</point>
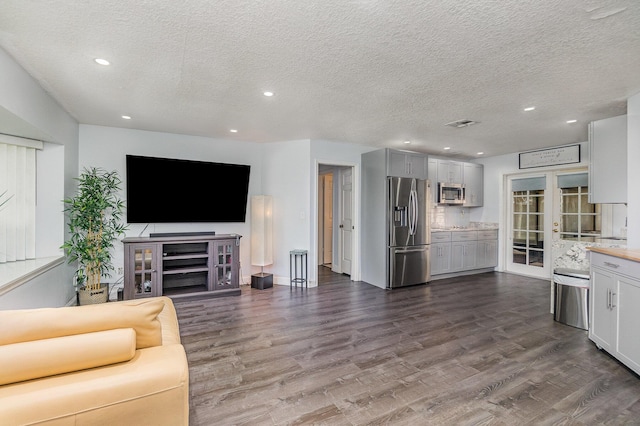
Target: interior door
<point>346,220</point>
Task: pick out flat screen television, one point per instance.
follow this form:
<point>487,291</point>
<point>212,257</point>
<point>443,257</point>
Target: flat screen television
<point>167,190</point>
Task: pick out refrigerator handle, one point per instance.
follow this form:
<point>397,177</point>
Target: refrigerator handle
<point>414,209</point>
<point>412,213</point>
<point>415,250</point>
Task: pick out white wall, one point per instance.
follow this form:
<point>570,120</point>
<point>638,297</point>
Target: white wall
<point>107,147</point>
<point>286,177</point>
<point>23,99</point>
<point>633,171</point>
<point>50,219</point>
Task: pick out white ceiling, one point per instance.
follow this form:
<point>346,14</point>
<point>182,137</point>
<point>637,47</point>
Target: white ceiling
<point>375,72</point>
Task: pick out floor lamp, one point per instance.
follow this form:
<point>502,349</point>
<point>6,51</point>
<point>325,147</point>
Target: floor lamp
<point>261,239</point>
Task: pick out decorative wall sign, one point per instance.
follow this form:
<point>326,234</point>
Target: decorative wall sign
<point>550,157</point>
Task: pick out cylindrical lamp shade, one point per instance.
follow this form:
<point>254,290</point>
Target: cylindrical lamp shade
<point>261,230</point>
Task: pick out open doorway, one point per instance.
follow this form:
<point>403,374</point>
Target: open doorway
<point>335,223</point>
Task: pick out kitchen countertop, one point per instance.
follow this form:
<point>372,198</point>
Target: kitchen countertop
<point>468,228</point>
<point>624,253</point>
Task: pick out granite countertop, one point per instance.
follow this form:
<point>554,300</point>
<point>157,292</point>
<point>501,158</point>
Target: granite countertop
<point>624,253</point>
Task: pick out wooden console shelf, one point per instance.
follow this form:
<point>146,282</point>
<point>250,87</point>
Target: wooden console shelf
<point>181,266</point>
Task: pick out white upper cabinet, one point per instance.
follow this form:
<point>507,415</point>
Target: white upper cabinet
<point>449,171</point>
<point>406,164</point>
<point>473,179</point>
<point>608,160</point>
<point>471,175</point>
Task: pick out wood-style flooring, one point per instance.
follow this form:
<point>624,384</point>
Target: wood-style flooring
<point>480,349</point>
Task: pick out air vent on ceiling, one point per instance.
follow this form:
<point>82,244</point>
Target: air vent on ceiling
<point>462,123</point>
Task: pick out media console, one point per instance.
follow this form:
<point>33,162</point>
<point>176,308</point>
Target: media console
<point>185,265</point>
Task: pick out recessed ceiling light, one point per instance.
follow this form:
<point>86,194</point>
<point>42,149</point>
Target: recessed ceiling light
<point>571,121</point>
<point>126,117</point>
<point>447,148</point>
<point>101,61</point>
<point>407,141</point>
<point>268,93</point>
<point>529,108</point>
<point>480,153</point>
<point>233,131</point>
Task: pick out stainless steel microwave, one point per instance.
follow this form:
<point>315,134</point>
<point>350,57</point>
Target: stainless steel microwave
<point>450,193</point>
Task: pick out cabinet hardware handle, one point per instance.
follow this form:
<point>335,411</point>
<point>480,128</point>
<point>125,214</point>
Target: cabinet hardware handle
<point>612,296</point>
<point>612,265</point>
<point>608,298</point>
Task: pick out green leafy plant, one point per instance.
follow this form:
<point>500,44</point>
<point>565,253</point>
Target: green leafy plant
<point>95,222</point>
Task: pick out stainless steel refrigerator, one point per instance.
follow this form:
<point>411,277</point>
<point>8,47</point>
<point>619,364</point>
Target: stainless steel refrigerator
<point>409,233</point>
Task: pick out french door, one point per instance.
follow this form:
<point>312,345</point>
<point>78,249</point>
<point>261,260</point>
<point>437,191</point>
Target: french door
<point>529,221</point>
<point>543,209</point>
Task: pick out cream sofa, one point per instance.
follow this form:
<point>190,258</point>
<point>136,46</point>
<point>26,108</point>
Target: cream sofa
<point>115,363</point>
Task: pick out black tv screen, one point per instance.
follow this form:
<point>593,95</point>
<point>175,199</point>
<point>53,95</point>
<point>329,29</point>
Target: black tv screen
<point>167,190</point>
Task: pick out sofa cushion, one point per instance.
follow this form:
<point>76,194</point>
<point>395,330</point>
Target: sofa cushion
<point>48,357</point>
<point>24,325</point>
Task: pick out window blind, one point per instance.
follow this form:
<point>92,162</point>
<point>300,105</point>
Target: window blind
<point>573,180</point>
<point>529,184</point>
<point>17,213</point>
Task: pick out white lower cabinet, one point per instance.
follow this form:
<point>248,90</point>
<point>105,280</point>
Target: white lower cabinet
<point>461,251</point>
<point>614,307</point>
<point>487,253</point>
<point>463,255</point>
<point>440,258</point>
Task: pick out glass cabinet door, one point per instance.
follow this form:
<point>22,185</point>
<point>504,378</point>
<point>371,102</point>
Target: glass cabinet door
<point>144,272</point>
<point>224,266</point>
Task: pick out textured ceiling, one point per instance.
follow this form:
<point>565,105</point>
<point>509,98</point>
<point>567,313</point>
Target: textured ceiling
<point>374,72</point>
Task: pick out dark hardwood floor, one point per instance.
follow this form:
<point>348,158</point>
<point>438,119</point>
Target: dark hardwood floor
<point>480,349</point>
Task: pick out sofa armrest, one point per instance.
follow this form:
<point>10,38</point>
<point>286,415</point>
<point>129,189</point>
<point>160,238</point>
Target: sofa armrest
<point>48,357</point>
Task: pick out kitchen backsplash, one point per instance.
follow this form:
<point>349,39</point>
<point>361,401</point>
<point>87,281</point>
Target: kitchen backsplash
<point>449,217</point>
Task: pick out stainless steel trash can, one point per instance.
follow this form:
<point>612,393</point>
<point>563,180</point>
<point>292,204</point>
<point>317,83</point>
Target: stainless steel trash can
<point>571,297</point>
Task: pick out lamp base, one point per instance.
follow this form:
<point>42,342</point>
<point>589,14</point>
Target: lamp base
<point>261,280</point>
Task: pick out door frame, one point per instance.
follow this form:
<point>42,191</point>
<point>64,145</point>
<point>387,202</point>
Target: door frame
<point>322,209</point>
<point>356,198</point>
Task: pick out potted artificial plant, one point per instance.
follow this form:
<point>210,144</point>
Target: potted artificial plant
<point>95,215</point>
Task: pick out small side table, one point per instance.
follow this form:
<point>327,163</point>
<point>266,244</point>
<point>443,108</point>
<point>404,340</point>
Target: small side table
<point>298,257</point>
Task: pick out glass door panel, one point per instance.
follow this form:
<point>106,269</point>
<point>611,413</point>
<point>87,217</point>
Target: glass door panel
<point>528,228</point>
<point>579,220</point>
<point>143,269</point>
<point>224,259</point>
